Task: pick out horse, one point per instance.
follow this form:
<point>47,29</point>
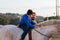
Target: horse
<point>43,32</point>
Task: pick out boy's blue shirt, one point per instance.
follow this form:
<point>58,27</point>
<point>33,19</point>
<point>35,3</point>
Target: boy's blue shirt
<point>26,21</point>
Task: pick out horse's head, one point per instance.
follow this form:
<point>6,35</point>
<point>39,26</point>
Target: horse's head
<point>51,25</point>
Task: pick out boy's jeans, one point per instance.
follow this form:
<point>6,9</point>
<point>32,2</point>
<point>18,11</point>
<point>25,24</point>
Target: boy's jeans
<point>24,33</point>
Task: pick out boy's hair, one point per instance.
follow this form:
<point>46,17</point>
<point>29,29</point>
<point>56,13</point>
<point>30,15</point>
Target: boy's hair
<point>29,12</point>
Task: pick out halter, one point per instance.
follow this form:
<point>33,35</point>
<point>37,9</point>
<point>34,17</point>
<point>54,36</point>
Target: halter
<point>41,33</point>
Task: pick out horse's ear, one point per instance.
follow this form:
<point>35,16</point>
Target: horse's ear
<point>1,26</point>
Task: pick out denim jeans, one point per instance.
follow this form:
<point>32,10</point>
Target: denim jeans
<point>24,33</point>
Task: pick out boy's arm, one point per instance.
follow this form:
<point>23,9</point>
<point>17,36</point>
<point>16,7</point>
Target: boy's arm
<point>28,23</point>
<point>33,23</point>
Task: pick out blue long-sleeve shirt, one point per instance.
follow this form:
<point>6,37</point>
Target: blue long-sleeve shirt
<point>26,21</point>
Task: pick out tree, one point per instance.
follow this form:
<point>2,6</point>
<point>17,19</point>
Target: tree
<point>3,20</point>
<point>14,21</point>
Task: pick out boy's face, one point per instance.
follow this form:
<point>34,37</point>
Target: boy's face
<point>29,16</point>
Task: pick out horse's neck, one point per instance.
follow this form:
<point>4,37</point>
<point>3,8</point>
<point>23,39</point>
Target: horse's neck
<point>49,30</point>
<point>44,30</point>
<point>38,36</point>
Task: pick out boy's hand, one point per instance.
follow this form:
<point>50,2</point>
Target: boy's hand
<point>36,26</point>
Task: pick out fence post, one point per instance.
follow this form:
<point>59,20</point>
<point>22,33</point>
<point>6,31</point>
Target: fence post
<point>30,35</point>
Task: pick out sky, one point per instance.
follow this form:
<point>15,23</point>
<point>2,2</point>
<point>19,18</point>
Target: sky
<point>41,7</point>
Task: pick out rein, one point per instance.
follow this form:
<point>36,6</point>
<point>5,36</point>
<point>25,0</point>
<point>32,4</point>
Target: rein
<point>41,33</point>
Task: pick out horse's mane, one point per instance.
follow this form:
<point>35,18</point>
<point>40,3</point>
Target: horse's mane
<point>49,22</point>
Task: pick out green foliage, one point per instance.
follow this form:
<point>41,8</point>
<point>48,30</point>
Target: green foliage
<point>10,19</point>
<point>38,21</point>
<point>3,20</point>
<point>14,21</point>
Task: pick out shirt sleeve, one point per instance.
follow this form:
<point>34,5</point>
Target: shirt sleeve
<point>33,23</point>
<point>28,23</point>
